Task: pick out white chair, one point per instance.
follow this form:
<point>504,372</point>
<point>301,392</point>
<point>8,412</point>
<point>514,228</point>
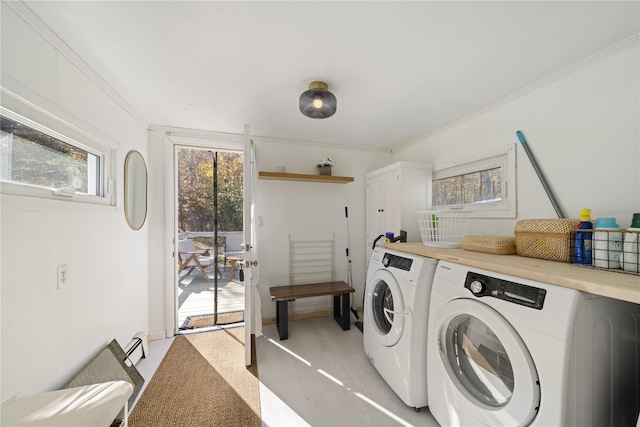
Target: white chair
<point>89,405</point>
<point>190,258</point>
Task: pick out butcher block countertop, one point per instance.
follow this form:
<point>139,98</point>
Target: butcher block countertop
<point>599,282</point>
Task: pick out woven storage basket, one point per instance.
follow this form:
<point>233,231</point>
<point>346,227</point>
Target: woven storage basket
<point>545,238</point>
<point>497,245</point>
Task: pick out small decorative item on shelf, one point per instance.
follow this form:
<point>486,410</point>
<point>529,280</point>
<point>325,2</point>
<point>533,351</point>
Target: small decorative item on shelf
<point>324,166</point>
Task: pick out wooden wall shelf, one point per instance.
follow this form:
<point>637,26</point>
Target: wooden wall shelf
<point>305,177</point>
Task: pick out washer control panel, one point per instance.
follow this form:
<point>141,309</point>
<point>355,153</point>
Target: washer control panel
<point>396,261</point>
<point>485,286</point>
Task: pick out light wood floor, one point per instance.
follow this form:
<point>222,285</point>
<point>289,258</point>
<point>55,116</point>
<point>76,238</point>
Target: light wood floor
<point>320,376</point>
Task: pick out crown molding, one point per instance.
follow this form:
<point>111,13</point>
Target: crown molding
<point>204,135</point>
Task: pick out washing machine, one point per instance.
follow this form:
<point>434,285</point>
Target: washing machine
<point>396,308</point>
<point>506,351</point>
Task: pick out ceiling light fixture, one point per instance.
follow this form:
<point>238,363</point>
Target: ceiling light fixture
<point>318,102</point>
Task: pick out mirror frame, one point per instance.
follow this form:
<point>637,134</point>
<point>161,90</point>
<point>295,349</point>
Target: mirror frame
<point>134,177</point>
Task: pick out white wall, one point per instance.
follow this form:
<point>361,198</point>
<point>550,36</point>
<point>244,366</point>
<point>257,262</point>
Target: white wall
<point>160,227</point>
<point>48,335</point>
<point>304,209</point>
<point>583,128</point>
<point>311,210</point>
<point>584,131</point>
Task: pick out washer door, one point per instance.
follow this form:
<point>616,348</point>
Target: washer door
<point>488,363</point>
<point>385,307</point>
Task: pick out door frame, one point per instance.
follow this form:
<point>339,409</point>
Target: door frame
<point>173,141</point>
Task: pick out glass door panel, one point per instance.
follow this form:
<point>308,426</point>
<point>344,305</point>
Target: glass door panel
<point>208,250</point>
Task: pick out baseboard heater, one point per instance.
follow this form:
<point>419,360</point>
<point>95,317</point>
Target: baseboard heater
<point>136,349</point>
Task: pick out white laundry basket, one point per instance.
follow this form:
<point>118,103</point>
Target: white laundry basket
<point>443,229</point>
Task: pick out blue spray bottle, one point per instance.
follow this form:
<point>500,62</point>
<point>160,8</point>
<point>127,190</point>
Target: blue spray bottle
<point>583,245</point>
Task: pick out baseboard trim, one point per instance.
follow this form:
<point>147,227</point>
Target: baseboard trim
<point>311,315</point>
<point>157,335</point>
<point>302,316</point>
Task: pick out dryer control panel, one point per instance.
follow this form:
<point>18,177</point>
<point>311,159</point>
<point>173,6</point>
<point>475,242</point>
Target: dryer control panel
<point>402,263</point>
<point>517,293</point>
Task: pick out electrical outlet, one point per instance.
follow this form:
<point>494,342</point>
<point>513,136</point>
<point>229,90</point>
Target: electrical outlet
<point>63,275</point>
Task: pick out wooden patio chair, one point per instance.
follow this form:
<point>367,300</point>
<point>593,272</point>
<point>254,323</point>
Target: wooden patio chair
<point>190,258</point>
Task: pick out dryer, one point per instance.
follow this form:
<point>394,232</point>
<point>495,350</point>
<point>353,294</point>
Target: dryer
<point>396,308</point>
<point>506,351</point>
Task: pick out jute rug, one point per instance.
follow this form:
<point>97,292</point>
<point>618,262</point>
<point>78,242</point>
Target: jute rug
<point>202,381</point>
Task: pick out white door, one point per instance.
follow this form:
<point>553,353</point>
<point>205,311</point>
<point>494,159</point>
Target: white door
<point>385,308</point>
<point>253,316</point>
<point>488,364</point>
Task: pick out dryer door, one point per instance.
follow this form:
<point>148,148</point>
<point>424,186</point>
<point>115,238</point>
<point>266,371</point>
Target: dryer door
<point>488,364</point>
<point>386,309</point>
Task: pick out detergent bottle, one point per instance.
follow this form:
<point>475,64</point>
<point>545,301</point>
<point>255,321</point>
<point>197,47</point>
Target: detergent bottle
<point>583,245</point>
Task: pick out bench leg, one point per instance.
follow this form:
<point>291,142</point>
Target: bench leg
<point>282,319</point>
<point>342,316</point>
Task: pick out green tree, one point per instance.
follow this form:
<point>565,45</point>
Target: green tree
<point>230,191</point>
<point>196,189</point>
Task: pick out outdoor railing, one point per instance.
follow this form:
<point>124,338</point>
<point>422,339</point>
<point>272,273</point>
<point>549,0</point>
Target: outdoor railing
<point>233,239</point>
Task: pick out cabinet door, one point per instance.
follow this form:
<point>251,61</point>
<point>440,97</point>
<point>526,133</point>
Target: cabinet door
<point>375,209</point>
<point>392,215</point>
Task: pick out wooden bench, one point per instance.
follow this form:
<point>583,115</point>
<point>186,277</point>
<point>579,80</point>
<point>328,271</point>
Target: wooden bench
<point>283,294</point>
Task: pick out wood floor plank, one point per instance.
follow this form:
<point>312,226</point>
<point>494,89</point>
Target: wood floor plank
<point>323,375</point>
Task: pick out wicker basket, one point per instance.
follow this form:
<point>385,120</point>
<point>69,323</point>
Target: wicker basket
<point>497,245</point>
<point>442,229</point>
<point>545,238</point>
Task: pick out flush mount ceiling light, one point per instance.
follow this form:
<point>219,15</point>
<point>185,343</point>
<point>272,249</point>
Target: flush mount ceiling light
<point>318,102</point>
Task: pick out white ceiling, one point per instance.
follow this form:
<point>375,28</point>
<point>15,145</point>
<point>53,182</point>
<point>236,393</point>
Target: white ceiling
<point>398,69</point>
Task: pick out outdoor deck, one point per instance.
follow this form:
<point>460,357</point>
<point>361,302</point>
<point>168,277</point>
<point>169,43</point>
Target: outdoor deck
<point>196,295</point>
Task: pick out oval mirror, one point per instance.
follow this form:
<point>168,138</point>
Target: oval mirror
<point>135,190</point>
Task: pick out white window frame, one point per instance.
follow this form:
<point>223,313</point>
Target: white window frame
<point>503,157</point>
<point>48,124</point>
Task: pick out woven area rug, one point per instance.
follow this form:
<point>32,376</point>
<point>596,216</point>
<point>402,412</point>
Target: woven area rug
<point>193,322</point>
<point>202,381</point>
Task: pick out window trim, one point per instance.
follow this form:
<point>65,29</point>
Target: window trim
<point>69,134</point>
<point>503,157</point>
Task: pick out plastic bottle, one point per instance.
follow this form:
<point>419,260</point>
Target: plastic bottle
<point>582,253</point>
<point>630,256</point>
<point>607,243</point>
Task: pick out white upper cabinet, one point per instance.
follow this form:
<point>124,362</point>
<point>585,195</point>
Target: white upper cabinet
<point>393,195</point>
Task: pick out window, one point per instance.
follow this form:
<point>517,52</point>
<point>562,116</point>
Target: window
<point>40,162</point>
<point>483,186</point>
<point>478,183</point>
